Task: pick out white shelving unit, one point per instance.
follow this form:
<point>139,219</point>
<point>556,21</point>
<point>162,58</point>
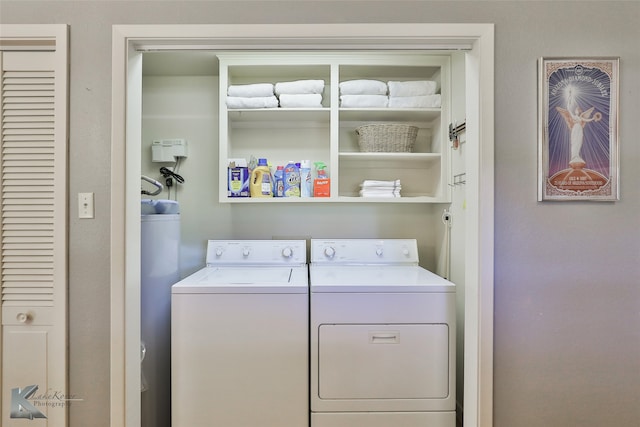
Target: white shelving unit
<point>327,134</point>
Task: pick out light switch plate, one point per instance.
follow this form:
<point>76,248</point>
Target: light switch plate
<point>85,205</point>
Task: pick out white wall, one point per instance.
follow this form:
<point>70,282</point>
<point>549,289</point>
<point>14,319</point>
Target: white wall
<point>567,341</point>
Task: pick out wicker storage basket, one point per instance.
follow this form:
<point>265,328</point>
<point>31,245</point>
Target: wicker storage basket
<point>391,138</point>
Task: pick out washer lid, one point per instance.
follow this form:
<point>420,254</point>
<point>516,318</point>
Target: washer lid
<point>376,278</point>
<point>247,280</point>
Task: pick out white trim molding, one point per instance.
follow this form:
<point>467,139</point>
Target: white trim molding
<point>128,43</point>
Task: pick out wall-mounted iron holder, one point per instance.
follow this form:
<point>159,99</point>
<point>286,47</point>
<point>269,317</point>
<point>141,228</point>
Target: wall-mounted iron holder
<point>454,133</point>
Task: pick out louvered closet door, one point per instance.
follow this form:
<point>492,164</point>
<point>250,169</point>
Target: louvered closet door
<point>33,231</point>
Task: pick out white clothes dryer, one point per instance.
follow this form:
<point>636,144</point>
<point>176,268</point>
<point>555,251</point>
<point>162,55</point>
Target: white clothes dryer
<point>382,334</point>
<point>239,337</point>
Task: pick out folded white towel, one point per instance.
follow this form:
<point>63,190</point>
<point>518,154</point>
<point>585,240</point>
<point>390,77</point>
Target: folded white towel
<point>235,102</point>
<point>299,87</point>
<point>424,101</point>
<point>307,100</point>
<point>251,90</point>
<point>412,88</point>
<point>375,183</point>
<point>380,191</point>
<point>363,87</point>
<point>365,193</point>
<point>363,101</point>
<point>375,188</point>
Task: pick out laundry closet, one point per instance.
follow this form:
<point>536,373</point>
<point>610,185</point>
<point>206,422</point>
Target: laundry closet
<point>185,115</point>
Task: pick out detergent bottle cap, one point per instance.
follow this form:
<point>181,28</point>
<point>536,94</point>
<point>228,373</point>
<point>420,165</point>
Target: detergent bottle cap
<point>262,162</point>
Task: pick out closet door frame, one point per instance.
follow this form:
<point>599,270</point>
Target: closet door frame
<point>128,43</point>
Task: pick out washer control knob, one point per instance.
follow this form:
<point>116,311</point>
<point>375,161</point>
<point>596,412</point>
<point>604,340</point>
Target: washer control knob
<point>379,251</point>
<point>329,252</point>
<point>219,252</point>
<point>246,252</point>
<point>287,252</point>
<point>405,252</point>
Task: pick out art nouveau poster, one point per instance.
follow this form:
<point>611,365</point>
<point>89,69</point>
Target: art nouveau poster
<point>578,134</point>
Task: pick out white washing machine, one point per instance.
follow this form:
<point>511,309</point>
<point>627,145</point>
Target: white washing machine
<point>382,333</point>
<point>239,337</point>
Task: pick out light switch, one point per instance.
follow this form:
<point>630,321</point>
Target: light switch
<point>85,205</point>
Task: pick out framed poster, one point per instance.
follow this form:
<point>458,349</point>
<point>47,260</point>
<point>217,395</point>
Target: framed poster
<point>578,129</point>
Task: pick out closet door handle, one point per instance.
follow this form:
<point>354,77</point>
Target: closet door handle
<point>24,317</point>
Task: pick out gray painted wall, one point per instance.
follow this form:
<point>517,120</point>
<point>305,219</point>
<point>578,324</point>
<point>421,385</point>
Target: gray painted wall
<point>567,275</point>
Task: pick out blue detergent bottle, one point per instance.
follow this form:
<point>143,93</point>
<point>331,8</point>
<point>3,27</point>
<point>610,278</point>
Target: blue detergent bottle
<point>291,180</point>
<point>278,182</point>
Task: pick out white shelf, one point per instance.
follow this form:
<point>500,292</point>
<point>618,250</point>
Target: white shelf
<point>403,199</point>
<point>403,115</point>
<point>279,117</point>
<point>342,199</point>
<point>328,134</point>
<point>376,159</point>
<point>261,115</point>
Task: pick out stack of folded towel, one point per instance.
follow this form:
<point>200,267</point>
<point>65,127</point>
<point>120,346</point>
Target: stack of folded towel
<point>372,188</point>
<point>360,93</point>
<point>363,93</point>
<point>257,95</point>
<point>414,94</point>
<point>300,93</point>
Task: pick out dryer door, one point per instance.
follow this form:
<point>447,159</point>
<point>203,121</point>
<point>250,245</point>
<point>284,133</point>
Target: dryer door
<point>383,361</point>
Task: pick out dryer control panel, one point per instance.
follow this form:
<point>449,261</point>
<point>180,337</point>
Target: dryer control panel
<point>256,252</point>
<point>364,251</point>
